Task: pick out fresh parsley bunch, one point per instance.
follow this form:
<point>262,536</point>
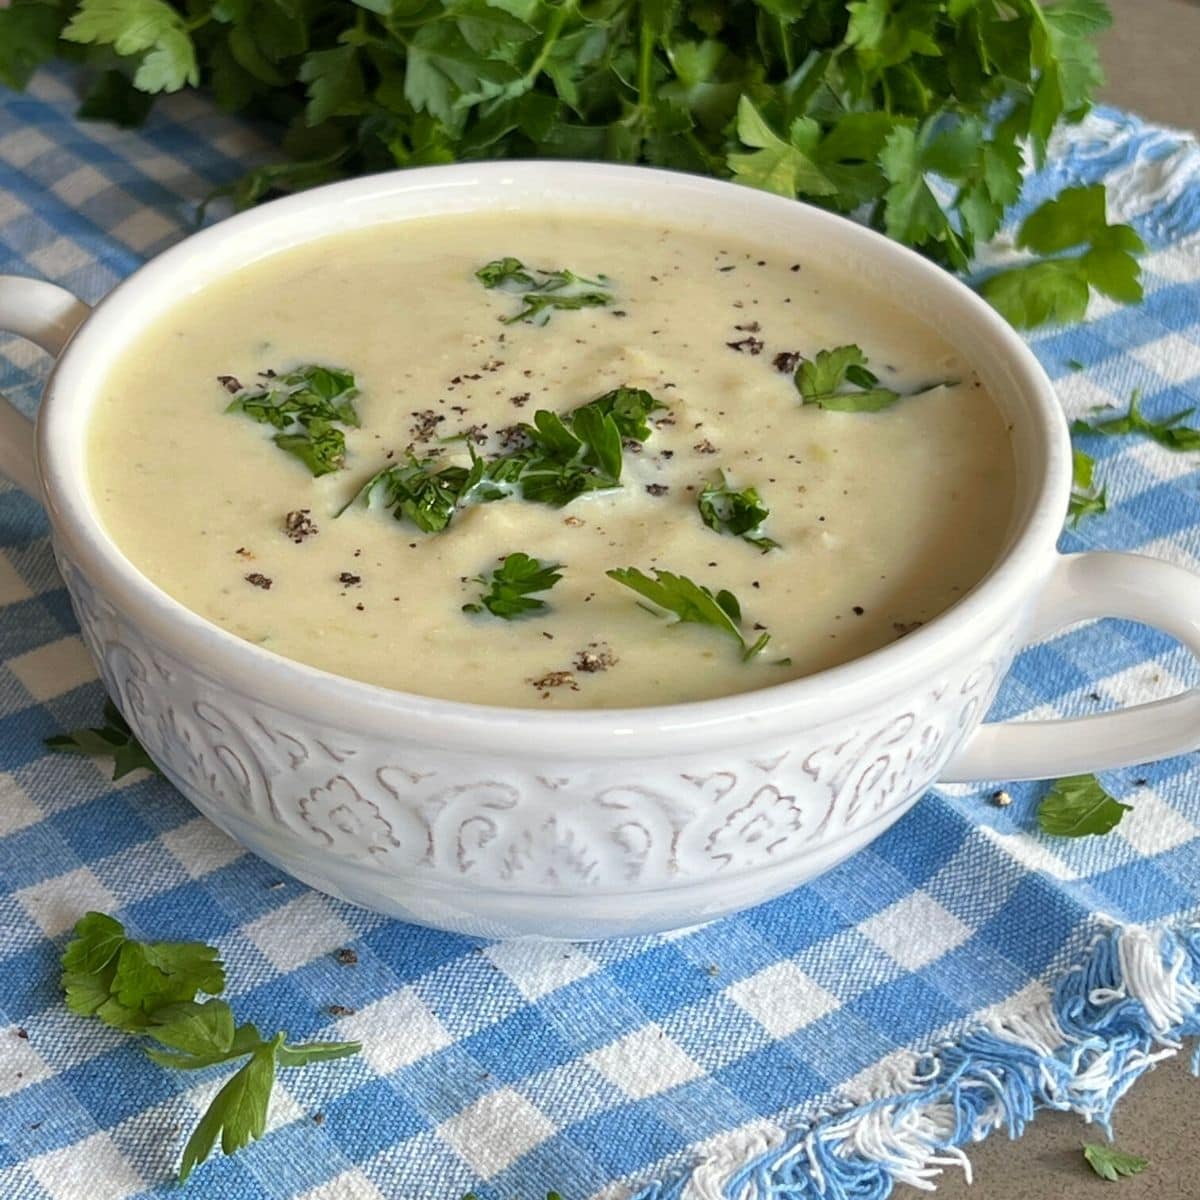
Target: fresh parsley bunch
<point>916,115</point>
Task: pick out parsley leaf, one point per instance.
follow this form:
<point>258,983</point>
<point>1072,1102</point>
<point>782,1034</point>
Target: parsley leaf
<point>196,1031</point>
<point>124,982</point>
<point>1078,807</point>
<point>114,739</point>
<point>150,988</point>
<point>1085,500</point>
<point>541,291</point>
<point>776,165</point>
<point>310,406</point>
<point>426,492</point>
<point>1112,1164</point>
<point>738,513</point>
<point>839,380</point>
<point>691,603</point>
<point>1168,432</point>
<point>511,586</point>
<point>238,1112</point>
<point>1098,255</point>
<point>151,28</point>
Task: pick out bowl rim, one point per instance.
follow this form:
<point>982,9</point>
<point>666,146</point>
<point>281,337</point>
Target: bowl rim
<point>267,677</point>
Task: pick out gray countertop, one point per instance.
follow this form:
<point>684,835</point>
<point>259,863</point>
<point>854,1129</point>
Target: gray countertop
<point>1152,57</point>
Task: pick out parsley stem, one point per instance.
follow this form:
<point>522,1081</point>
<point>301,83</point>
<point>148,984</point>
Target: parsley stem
<point>786,43</point>
<point>554,26</point>
<point>645,66</point>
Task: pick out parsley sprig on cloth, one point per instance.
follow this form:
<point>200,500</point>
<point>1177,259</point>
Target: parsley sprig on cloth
<point>153,989</point>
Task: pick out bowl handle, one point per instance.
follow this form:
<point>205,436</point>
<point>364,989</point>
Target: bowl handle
<point>1083,587</point>
<point>47,316</point>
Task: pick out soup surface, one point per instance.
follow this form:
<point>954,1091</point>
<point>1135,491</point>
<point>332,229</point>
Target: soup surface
<point>689,342</point>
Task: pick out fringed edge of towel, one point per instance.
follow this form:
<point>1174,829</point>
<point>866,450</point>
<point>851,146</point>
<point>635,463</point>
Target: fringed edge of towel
<point>1126,1007</point>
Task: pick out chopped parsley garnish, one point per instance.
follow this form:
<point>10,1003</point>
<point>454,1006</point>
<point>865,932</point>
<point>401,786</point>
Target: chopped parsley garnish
<point>114,739</point>
<point>151,988</point>
<point>840,380</point>
<point>738,513</point>
<point>564,458</point>
<point>1112,1164</point>
<point>1168,432</point>
<point>690,603</point>
<point>1078,807</point>
<point>580,452</point>
<point>1085,500</point>
<point>510,587</point>
<point>310,406</point>
<point>426,492</point>
<point>541,291</point>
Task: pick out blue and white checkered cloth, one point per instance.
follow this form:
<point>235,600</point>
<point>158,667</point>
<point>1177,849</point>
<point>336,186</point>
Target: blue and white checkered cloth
<point>846,1036</point>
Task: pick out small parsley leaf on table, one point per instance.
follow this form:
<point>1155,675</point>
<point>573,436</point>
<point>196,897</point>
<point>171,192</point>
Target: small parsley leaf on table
<point>1085,500</point>
<point>151,988</point>
<point>1092,254</point>
<point>1168,433</point>
<point>124,982</point>
<point>691,603</point>
<point>541,291</point>
<point>114,739</point>
<point>1112,1164</point>
<point>739,513</point>
<point>238,1112</point>
<point>511,585</point>
<point>310,407</point>
<point>841,381</point>
<point>1078,806</point>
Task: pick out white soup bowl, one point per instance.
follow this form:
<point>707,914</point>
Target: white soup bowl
<point>582,824</point>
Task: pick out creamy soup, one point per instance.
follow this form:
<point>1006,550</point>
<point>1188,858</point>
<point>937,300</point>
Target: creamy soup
<point>237,477</point>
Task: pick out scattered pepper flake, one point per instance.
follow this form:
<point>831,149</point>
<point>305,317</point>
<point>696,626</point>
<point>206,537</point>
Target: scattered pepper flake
<point>298,524</point>
<point>906,627</point>
<point>748,345</point>
<point>657,489</point>
<point>425,424</point>
<point>787,361</point>
<point>704,447</point>
<point>349,578</point>
<point>259,580</point>
<point>596,656</point>
<point>230,383</point>
<point>552,680</point>
<point>346,957</point>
